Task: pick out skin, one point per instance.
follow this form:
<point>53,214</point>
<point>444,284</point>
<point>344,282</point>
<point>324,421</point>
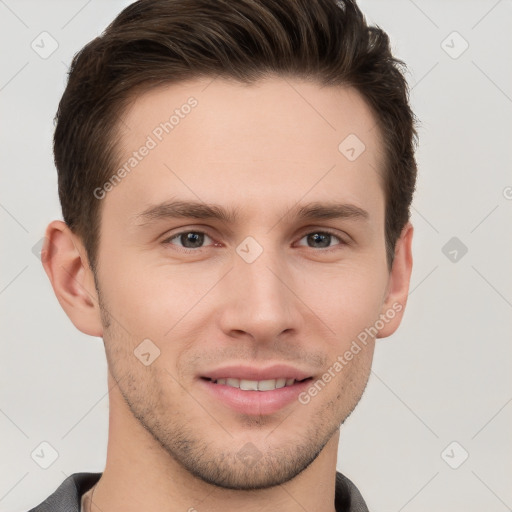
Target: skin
<point>261,149</point>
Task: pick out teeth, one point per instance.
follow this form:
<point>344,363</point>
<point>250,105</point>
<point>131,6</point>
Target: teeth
<point>256,385</point>
<point>249,385</point>
<point>267,385</point>
<point>280,383</point>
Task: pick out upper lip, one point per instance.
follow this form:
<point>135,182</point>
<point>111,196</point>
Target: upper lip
<point>276,371</point>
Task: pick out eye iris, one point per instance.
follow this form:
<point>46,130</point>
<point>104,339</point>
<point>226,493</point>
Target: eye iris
<point>192,240</point>
<point>323,238</point>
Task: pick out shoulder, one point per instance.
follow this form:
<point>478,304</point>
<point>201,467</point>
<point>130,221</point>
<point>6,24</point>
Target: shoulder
<point>67,496</point>
<point>348,498</point>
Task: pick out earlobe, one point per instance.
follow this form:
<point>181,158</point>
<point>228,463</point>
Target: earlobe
<point>65,262</point>
<point>398,284</point>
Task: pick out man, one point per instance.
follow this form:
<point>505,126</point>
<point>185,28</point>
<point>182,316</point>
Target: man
<point>235,179</point>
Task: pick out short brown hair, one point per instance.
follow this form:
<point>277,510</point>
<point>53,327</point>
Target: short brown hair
<point>156,42</point>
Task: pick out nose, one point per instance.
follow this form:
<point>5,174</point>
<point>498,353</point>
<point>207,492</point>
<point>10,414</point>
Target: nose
<point>259,300</point>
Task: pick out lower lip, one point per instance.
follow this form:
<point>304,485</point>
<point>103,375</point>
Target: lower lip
<point>255,403</point>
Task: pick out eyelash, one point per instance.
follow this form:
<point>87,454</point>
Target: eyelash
<point>168,240</point>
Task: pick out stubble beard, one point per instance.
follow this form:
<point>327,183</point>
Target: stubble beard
<point>245,469</point>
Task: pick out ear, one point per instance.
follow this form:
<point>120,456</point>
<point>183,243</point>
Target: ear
<point>398,284</point>
<point>65,262</point>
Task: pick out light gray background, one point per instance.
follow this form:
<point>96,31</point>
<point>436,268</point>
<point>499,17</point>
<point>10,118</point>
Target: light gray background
<point>444,376</point>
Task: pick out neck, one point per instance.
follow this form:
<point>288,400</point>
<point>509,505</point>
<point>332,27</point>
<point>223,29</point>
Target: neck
<point>87,500</point>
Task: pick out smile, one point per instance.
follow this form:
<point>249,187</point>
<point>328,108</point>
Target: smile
<point>256,385</point>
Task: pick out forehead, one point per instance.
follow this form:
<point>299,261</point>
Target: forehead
<point>269,144</point>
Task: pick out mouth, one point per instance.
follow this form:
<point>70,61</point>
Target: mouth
<point>255,391</point>
<point>257,385</point>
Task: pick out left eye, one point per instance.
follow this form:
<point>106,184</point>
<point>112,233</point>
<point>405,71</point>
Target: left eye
<point>196,239</point>
<point>320,239</point>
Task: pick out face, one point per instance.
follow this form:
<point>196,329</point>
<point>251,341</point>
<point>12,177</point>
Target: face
<point>248,251</point>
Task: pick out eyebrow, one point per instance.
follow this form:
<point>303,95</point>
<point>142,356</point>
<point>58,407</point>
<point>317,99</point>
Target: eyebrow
<point>200,210</point>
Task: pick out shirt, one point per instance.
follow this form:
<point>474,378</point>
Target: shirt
<point>68,495</point>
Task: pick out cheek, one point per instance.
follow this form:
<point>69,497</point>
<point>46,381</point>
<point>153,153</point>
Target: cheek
<point>150,299</point>
<point>349,301</point>
<point>129,291</point>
